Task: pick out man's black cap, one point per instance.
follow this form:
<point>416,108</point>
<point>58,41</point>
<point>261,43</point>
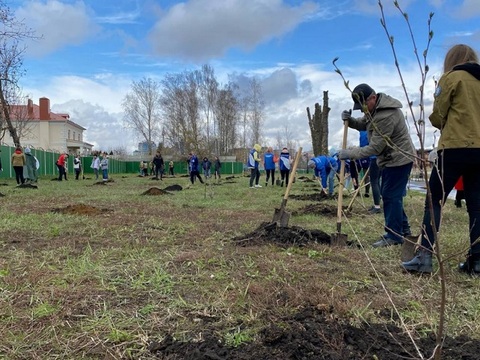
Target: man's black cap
<point>360,94</point>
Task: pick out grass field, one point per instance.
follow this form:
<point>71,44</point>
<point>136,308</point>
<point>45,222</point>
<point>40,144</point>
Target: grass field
<point>101,271</point>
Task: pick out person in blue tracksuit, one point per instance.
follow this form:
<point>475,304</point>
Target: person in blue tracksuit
<point>284,165</point>
<point>323,166</point>
<point>269,165</point>
<point>193,168</point>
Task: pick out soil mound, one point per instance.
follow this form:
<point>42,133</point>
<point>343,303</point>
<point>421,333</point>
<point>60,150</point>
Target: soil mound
<point>317,209</point>
<point>305,179</point>
<point>317,334</point>
<point>27,186</point>
<point>80,209</point>
<point>283,236</point>
<point>310,197</point>
<point>155,191</point>
<point>174,188</point>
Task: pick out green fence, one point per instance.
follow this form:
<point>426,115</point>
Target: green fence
<point>48,165</point>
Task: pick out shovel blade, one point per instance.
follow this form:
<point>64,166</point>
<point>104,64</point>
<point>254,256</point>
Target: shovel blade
<point>281,217</point>
<point>338,239</point>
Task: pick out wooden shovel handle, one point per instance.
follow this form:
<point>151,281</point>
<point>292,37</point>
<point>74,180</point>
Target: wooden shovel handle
<point>292,173</point>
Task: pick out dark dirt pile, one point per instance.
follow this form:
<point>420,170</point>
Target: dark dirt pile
<point>317,334</point>
<point>317,209</point>
<point>310,197</point>
<point>80,209</point>
<point>283,236</point>
<point>155,191</point>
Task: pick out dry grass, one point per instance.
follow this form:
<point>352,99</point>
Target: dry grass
<point>103,284</point>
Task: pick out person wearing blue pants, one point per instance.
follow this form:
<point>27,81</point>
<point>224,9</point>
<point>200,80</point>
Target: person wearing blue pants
<point>390,141</point>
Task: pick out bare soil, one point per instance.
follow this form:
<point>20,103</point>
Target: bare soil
<point>81,209</point>
<point>315,333</point>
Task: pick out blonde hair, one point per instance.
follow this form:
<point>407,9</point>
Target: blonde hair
<point>459,54</point>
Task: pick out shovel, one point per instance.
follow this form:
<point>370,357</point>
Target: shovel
<point>280,215</point>
<point>339,239</point>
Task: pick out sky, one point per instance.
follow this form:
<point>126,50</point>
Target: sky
<point>89,52</point>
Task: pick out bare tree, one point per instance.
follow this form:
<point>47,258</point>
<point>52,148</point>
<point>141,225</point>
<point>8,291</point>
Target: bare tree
<point>12,32</point>
<point>227,112</point>
<point>285,138</point>
<point>208,93</point>
<point>181,108</point>
<point>319,126</point>
<point>142,110</point>
<point>256,111</point>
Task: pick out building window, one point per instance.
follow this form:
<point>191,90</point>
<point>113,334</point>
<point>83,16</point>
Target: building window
<point>74,135</point>
<point>68,134</point>
<point>79,139</point>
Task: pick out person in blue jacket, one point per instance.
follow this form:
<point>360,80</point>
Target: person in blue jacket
<point>253,163</point>
<point>323,166</point>
<point>269,165</point>
<point>193,167</point>
<point>284,165</point>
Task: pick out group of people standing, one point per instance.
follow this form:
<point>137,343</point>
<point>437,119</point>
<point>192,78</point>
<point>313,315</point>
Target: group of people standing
<point>269,163</point>
<point>25,165</point>
<point>456,113</point>
<point>206,166</point>
<point>99,164</point>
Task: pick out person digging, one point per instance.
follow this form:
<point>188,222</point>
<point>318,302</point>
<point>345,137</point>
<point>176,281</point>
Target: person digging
<point>389,140</point>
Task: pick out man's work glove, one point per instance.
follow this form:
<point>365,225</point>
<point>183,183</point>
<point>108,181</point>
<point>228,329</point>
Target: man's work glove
<point>344,154</point>
<point>346,115</point>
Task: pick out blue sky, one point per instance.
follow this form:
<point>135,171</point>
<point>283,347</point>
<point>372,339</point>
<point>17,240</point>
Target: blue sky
<point>91,51</point>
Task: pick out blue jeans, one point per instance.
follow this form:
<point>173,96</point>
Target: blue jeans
<point>393,189</point>
<point>331,181</point>
<point>453,163</point>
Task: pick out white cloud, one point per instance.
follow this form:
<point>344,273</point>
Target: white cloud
<point>203,29</point>
<point>58,24</point>
<point>382,77</point>
<point>105,130</point>
<point>468,9</point>
<point>106,90</point>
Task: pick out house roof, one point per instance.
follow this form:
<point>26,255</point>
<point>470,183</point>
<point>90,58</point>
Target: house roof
<point>19,112</point>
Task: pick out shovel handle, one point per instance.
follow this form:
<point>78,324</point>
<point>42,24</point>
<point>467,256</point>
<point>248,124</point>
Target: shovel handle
<point>292,173</point>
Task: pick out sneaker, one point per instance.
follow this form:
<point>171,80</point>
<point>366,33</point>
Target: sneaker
<point>385,241</point>
<point>367,195</point>
<point>252,187</point>
<point>258,186</point>
<point>374,210</point>
<point>266,184</point>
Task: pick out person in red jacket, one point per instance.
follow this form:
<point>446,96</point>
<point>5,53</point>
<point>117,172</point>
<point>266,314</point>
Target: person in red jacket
<point>61,166</point>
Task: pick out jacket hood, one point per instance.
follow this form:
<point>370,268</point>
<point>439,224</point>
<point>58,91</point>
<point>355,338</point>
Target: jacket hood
<point>471,68</point>
<point>257,147</point>
<point>387,102</point>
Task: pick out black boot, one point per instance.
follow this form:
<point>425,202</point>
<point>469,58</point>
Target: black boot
<point>471,265</point>
<point>421,263</point>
